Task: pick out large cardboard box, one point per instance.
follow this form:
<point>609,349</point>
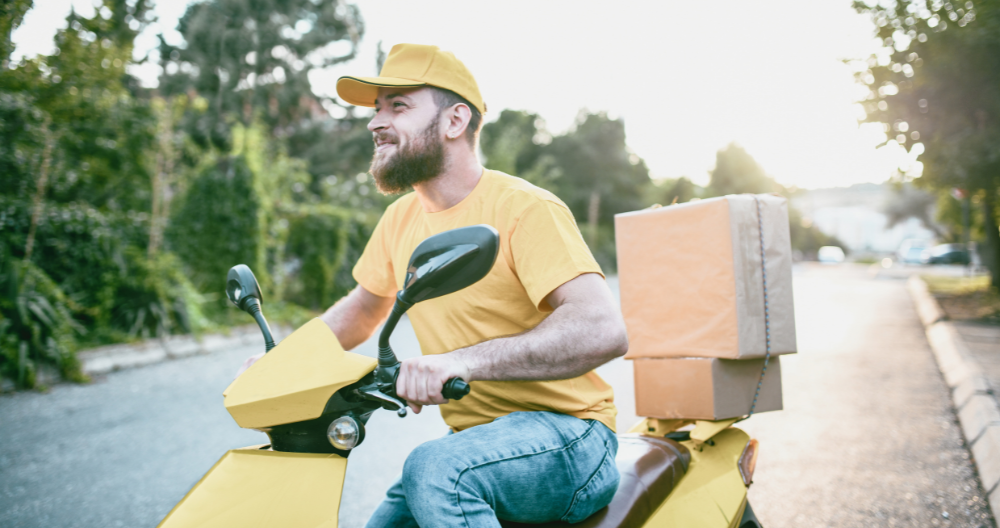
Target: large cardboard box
<point>704,388</point>
<point>691,278</point>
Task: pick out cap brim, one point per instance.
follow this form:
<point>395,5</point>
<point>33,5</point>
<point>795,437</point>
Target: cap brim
<point>362,91</point>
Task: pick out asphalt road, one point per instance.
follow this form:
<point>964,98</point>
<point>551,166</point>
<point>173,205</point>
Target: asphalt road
<point>867,437</point>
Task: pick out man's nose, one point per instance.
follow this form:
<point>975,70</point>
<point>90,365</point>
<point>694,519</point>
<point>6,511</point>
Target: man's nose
<point>377,123</point>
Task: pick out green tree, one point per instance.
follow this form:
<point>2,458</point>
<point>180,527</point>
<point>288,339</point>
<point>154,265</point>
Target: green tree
<point>906,202</point>
<point>101,132</point>
<point>600,176</point>
<point>513,142</point>
<point>221,223</point>
<point>77,136</point>
<point>736,172</point>
<point>11,15</point>
<point>338,153</point>
<point>935,86</point>
<point>252,59</point>
<point>590,168</point>
<point>681,190</point>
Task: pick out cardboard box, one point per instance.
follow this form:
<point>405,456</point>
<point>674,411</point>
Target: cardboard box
<point>691,278</point>
<point>704,388</point>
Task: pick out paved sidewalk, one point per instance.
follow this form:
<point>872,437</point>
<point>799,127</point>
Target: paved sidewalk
<point>968,355</point>
<point>983,342</point>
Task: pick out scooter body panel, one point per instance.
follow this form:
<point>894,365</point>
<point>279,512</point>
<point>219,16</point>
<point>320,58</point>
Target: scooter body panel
<point>294,381</point>
<point>712,493</point>
<point>251,488</point>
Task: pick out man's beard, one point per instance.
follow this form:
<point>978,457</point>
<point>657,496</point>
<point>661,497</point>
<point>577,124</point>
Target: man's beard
<point>417,162</point>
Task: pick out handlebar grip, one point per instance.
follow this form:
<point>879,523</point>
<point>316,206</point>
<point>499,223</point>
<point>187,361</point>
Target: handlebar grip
<point>455,389</point>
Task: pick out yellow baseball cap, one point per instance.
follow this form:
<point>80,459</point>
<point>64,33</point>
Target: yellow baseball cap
<point>410,66</point>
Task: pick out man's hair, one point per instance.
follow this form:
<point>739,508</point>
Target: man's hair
<point>447,98</point>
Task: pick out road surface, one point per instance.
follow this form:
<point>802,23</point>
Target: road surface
<point>867,437</point>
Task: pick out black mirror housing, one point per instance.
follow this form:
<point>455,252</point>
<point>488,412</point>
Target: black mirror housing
<point>244,291</point>
<point>450,261</point>
<point>241,286</point>
<point>443,263</point>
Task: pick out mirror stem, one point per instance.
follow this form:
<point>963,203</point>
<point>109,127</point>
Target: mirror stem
<point>386,357</point>
<point>253,308</point>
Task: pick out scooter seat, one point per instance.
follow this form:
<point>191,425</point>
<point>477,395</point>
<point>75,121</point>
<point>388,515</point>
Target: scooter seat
<point>650,468</point>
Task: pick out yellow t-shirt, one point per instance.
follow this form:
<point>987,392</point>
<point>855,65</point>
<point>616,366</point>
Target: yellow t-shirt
<point>540,249</point>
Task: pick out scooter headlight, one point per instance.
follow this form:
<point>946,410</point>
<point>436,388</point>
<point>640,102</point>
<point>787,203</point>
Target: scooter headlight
<point>748,462</point>
<point>345,433</point>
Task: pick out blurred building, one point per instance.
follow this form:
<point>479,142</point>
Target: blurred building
<point>856,215</point>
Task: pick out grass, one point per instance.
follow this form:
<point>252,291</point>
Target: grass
<point>966,298</point>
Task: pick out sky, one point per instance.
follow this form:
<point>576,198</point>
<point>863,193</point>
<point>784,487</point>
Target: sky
<point>687,78</point>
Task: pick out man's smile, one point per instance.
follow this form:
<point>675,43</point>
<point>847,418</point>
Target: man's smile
<point>382,144</point>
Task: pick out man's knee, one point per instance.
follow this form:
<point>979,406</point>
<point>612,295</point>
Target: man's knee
<point>430,467</point>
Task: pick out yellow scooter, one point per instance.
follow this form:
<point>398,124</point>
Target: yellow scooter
<point>313,399</point>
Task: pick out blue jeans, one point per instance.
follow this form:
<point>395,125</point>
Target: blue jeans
<point>527,467</point>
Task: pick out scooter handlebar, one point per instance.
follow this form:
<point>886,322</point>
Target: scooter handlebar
<point>455,389</point>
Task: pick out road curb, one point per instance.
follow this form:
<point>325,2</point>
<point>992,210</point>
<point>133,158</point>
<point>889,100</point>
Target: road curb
<point>111,358</point>
<point>103,360</point>
<point>974,401</point>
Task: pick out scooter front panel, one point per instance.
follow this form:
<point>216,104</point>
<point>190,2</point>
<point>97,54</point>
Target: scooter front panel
<point>293,382</point>
<point>251,488</point>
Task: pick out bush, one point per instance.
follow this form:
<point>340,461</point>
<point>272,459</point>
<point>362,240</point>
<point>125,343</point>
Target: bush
<point>358,233</point>
<point>81,248</point>
<point>89,271</point>
<point>221,224</point>
<point>155,298</point>
<point>323,245</point>
<point>22,138</point>
<point>36,324</point>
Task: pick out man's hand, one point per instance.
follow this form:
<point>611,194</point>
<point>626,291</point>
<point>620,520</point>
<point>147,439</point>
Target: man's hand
<point>246,364</point>
<point>421,379</point>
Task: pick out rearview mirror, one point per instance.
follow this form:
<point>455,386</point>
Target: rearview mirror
<point>241,286</point>
<point>243,290</point>
<point>443,263</point>
<point>449,261</point>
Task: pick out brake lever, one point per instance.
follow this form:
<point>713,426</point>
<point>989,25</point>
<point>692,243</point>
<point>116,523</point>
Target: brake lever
<point>387,402</point>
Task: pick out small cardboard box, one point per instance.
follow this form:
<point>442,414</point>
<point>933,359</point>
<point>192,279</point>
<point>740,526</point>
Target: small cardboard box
<point>691,278</point>
<point>704,388</point>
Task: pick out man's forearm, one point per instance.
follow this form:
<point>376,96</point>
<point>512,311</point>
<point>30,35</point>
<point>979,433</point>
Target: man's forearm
<point>571,341</point>
<point>354,318</point>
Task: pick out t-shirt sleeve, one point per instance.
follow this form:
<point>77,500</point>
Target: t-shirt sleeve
<point>548,250</point>
<point>374,271</point>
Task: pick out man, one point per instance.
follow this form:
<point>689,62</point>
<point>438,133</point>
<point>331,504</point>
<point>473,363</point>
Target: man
<point>534,440</point>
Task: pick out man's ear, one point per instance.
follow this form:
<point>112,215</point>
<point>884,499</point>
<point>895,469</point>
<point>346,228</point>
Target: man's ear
<point>458,120</point>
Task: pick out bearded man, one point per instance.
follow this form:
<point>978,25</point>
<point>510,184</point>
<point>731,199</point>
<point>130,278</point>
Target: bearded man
<point>534,441</point>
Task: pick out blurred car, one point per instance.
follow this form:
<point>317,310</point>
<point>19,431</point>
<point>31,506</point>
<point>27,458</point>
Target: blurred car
<point>830,255</point>
<point>911,251</point>
<point>947,254</point>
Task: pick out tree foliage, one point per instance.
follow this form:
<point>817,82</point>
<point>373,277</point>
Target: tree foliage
<point>251,59</point>
<point>736,172</point>
<point>907,201</point>
<point>221,223</point>
<point>590,168</point>
<point>935,85</point>
<point>36,323</point>
<point>11,15</point>
<point>76,137</point>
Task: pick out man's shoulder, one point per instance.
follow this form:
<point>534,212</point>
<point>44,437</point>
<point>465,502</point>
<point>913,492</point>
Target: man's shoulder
<point>519,193</point>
